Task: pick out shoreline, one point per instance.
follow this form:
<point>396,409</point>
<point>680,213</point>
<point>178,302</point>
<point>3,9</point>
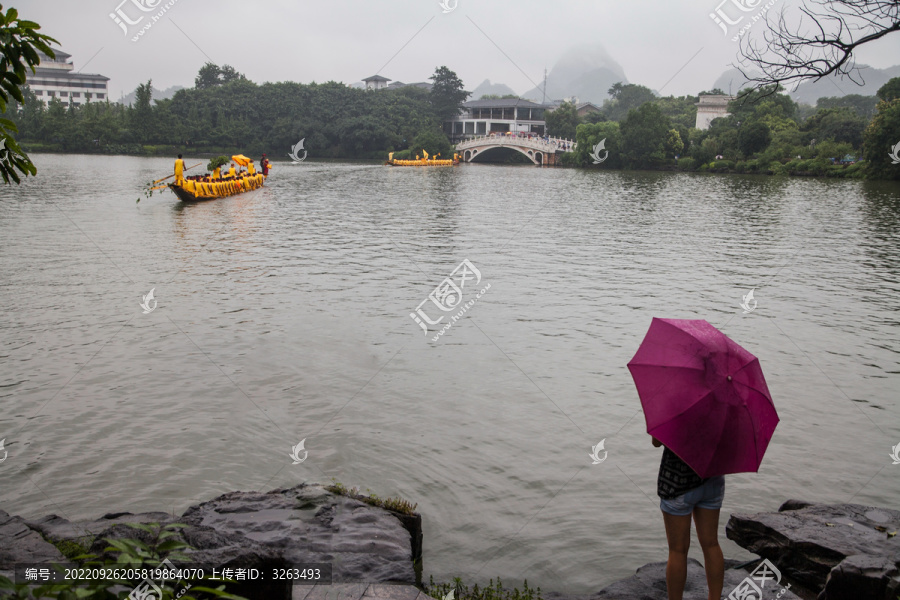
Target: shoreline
<point>843,172</point>
<point>835,551</point>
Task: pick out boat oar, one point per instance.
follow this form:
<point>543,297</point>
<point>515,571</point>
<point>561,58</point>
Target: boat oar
<point>173,174</point>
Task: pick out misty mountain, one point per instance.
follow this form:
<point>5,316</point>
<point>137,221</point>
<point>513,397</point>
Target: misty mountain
<point>157,94</point>
<point>586,71</point>
<point>486,87</point>
<point>809,92</point>
<point>731,82</point>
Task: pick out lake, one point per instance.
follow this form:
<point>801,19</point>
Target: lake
<point>283,315</point>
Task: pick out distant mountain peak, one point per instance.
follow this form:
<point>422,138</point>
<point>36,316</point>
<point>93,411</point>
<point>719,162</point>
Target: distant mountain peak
<point>585,71</point>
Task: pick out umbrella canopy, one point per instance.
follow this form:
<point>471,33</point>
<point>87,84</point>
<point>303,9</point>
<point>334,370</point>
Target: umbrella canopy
<point>704,396</point>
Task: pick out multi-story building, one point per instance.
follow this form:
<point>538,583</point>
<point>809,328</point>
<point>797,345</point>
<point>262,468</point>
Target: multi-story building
<point>711,107</point>
<point>55,78</point>
<point>482,117</point>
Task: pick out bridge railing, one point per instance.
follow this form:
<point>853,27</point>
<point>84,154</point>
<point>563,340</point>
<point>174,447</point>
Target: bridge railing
<point>546,145</point>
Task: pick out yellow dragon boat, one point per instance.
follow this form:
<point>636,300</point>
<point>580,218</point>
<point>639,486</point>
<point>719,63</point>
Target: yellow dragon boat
<point>423,162</point>
<point>194,189</point>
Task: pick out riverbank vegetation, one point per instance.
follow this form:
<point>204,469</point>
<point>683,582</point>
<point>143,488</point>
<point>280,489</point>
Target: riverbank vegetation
<point>226,113</point>
<point>492,591</point>
<point>765,132</point>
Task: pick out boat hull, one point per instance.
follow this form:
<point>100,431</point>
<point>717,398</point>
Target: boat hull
<point>422,163</point>
<point>204,191</point>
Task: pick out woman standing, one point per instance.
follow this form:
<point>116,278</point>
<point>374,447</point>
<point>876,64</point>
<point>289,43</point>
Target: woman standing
<point>684,493</point>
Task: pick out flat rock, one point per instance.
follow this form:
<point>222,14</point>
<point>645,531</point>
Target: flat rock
<point>293,527</point>
<point>21,544</point>
<point>308,524</point>
<point>808,541</point>
<point>649,583</point>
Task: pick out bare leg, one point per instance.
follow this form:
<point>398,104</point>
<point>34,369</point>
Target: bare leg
<point>678,533</point>
<point>707,522</point>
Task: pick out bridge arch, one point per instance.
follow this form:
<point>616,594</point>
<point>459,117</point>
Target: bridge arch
<point>536,158</point>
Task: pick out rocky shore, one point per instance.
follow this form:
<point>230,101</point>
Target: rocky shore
<point>829,552</point>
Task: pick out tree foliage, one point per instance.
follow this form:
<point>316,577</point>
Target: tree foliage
<point>753,137</point>
<point>644,135</point>
<point>432,141</point>
<point>890,90</point>
<point>20,42</point>
<point>211,75</point>
<point>237,116</point>
<point>881,137</point>
<point>588,135</point>
<point>562,121</point>
<point>447,93</point>
<point>624,97</point>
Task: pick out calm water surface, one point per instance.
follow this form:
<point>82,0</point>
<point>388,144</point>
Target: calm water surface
<point>283,315</point>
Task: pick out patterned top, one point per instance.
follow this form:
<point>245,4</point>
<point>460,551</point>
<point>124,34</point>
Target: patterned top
<point>675,477</point>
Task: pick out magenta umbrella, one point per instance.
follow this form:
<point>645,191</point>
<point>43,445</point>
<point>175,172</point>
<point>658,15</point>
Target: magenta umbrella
<point>704,396</point>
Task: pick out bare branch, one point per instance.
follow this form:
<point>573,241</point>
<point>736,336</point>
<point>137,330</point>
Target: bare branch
<point>820,43</point>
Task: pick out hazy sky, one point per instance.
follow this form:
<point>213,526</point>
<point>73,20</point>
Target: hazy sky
<point>346,40</point>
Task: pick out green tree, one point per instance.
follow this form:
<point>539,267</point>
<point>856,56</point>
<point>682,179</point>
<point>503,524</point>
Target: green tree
<point>207,77</point>
<point>644,134</point>
<point>864,106</point>
<point>142,111</point>
<point>674,143</point>
<point>753,104</point>
<point>624,97</point>
<point>211,75</point>
<point>880,138</point>
<point>434,142</point>
<point>19,43</point>
<point>681,111</point>
<point>588,135</point>
<point>753,137</point>
<point>562,121</point>
<point>447,94</point>
<point>890,90</point>
<point>838,124</point>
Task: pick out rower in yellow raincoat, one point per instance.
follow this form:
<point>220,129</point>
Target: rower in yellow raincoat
<point>179,170</point>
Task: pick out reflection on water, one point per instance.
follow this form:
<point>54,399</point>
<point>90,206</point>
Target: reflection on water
<point>284,315</point>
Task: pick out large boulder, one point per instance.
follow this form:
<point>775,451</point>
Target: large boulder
<point>21,544</point>
<point>280,529</point>
<point>852,546</point>
<point>308,524</point>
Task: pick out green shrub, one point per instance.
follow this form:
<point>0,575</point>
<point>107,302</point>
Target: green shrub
<point>491,591</point>
<point>395,504</point>
<point>126,554</point>
<point>687,163</point>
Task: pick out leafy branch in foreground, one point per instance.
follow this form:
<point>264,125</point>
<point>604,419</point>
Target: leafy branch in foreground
<point>19,43</point>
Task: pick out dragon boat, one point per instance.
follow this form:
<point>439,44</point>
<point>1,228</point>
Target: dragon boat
<point>198,188</point>
<point>423,162</point>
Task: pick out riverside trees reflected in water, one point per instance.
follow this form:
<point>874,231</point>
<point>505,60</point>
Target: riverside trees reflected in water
<point>283,315</point>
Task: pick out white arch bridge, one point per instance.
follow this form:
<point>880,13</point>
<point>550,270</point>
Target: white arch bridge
<point>539,150</point>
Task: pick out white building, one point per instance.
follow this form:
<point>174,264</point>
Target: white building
<point>711,107</point>
<point>497,115</point>
<point>376,82</point>
<point>55,78</point>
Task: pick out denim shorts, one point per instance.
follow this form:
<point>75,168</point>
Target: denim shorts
<point>709,495</point>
